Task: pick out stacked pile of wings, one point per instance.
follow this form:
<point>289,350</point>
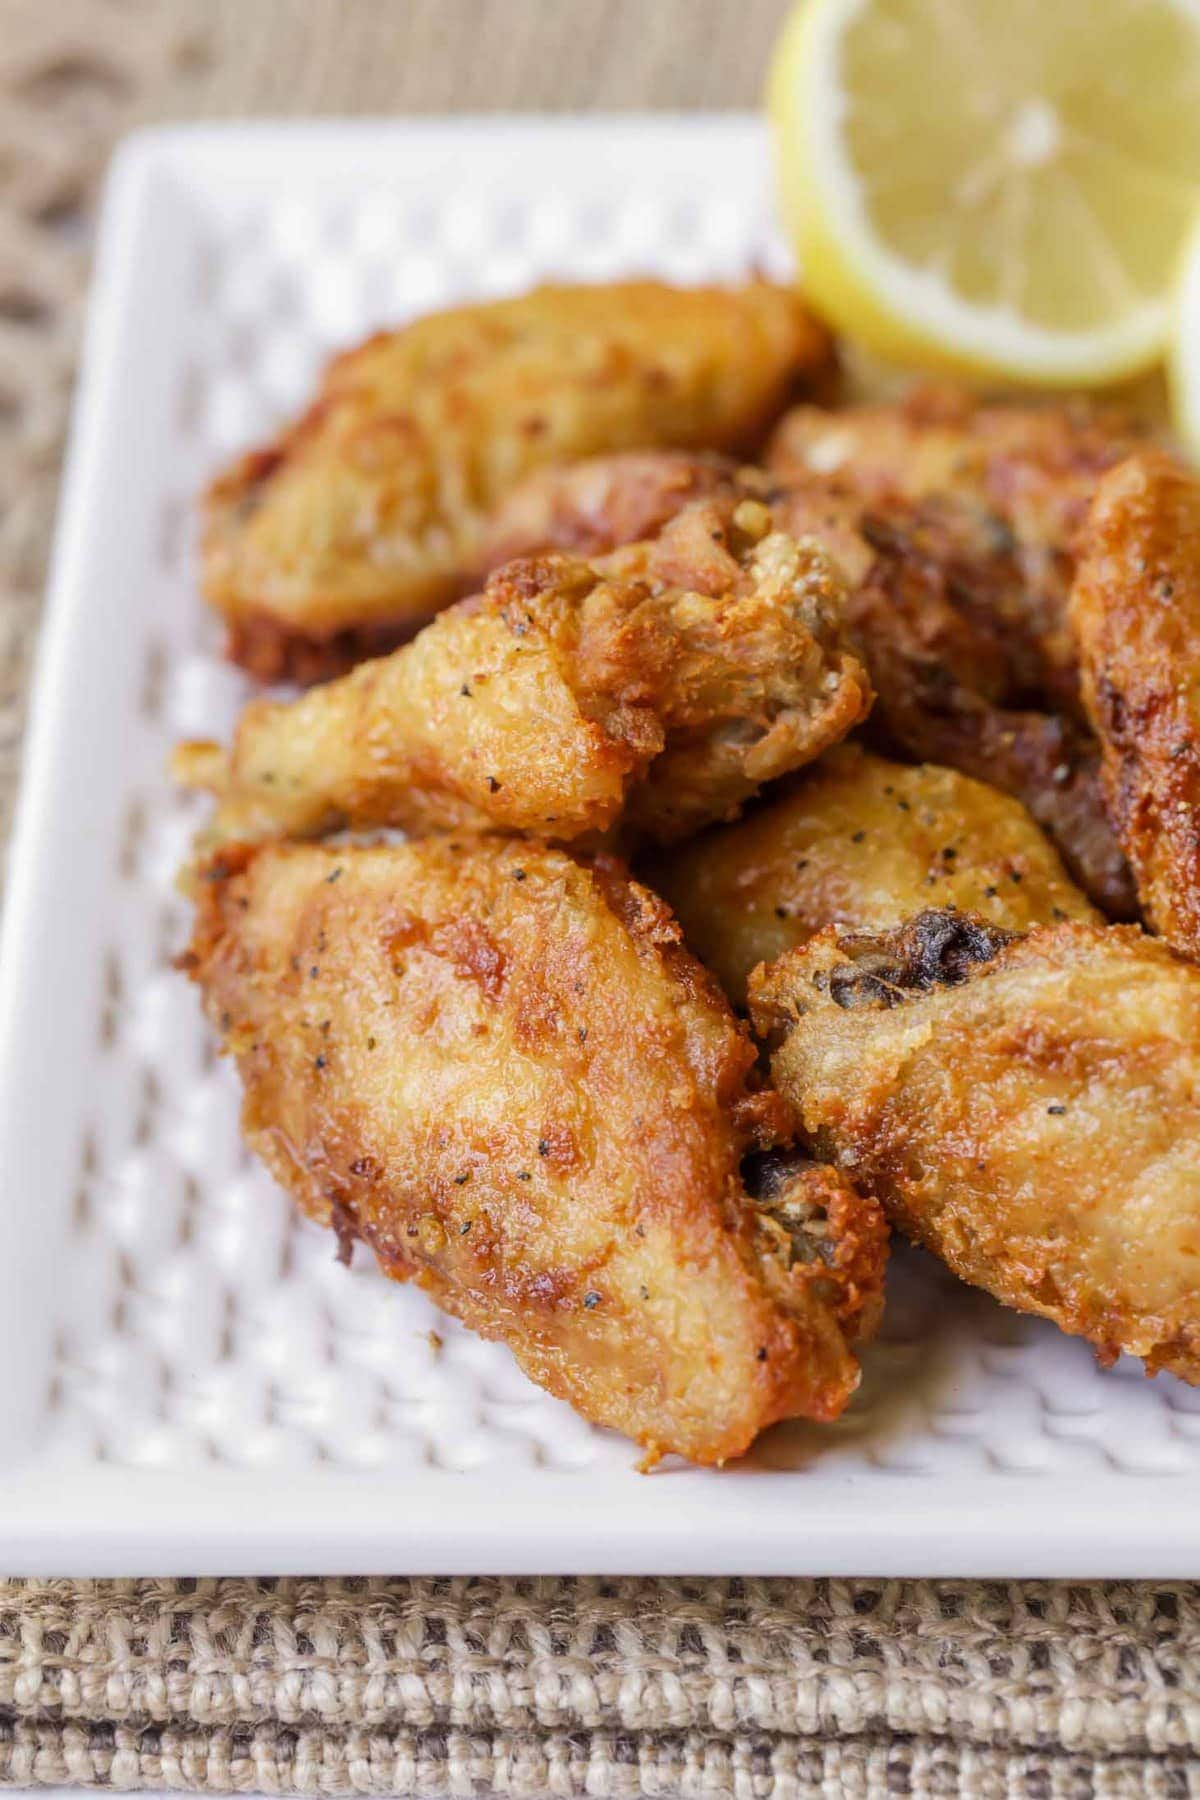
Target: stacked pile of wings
<point>790,846</point>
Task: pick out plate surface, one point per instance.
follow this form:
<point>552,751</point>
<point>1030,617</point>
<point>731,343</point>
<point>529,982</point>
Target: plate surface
<point>192,1384</point>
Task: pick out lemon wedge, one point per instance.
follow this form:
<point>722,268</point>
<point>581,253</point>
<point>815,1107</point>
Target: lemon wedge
<point>1183,362</point>
<point>997,186</point>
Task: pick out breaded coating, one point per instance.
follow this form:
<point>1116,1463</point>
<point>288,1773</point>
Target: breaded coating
<point>596,504</point>
<point>940,609</point>
<point>603,502</point>
<point>659,688</point>
<point>1027,472</point>
<point>500,1070</point>
<point>863,843</point>
<point>1035,464</point>
<point>348,532</point>
<point>1028,1108</point>
<point>958,580</point>
<point>948,694</point>
<point>1136,612</point>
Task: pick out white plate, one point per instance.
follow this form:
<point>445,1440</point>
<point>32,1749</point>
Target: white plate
<point>191,1383</point>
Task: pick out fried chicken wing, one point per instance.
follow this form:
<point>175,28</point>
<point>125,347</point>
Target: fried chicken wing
<point>366,516</point>
<point>1028,1108</point>
<point>661,688</point>
<point>500,1070</point>
<point>1035,464</point>
<point>1136,611</point>
<point>939,606</point>
<point>944,697</point>
<point>1026,472</point>
<point>863,843</point>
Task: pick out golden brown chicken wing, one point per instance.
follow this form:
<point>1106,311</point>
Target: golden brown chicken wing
<point>1136,611</point>
<point>1028,1108</point>
<point>863,843</point>
<point>941,699</point>
<point>499,1068</point>
<point>938,605</point>
<point>568,696</point>
<point>1027,472</point>
<point>362,519</point>
<point>603,502</point>
<point>1036,463</point>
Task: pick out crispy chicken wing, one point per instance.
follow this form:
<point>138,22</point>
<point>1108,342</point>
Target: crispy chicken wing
<point>603,502</point>
<point>499,1068</point>
<point>1036,465</point>
<point>860,842</point>
<point>928,611</point>
<point>362,519</point>
<point>939,606</point>
<point>938,703</point>
<point>1026,472</point>
<point>662,687</point>
<point>1028,1108</point>
<point>1136,610</point>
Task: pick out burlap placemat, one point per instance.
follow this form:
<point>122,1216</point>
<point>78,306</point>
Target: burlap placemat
<point>756,1688</point>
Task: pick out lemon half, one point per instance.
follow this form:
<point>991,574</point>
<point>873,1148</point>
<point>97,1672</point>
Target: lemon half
<point>999,186</point>
<point>1183,362</point>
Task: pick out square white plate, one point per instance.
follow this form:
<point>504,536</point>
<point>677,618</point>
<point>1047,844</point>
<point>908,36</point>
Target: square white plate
<point>191,1383</point>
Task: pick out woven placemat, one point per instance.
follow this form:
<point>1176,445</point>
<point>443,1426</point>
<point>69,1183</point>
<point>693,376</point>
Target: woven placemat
<point>538,1687</point>
<point>776,1690</point>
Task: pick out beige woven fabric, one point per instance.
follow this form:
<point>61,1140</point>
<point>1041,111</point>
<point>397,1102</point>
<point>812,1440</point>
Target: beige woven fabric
<point>771,1690</point>
<point>754,1688</point>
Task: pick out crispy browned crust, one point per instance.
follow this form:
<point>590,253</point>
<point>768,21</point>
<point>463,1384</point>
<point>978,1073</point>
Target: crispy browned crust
<point>965,649</point>
<point>860,842</point>
<point>952,522</point>
<point>1136,611</point>
<point>369,513</point>
<point>500,1069</point>
<point>813,1227</point>
<point>659,687</point>
<point>951,689</point>
<point>1026,473</point>
<point>590,507</point>
<point>1026,1107</point>
<point>1034,465</point>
